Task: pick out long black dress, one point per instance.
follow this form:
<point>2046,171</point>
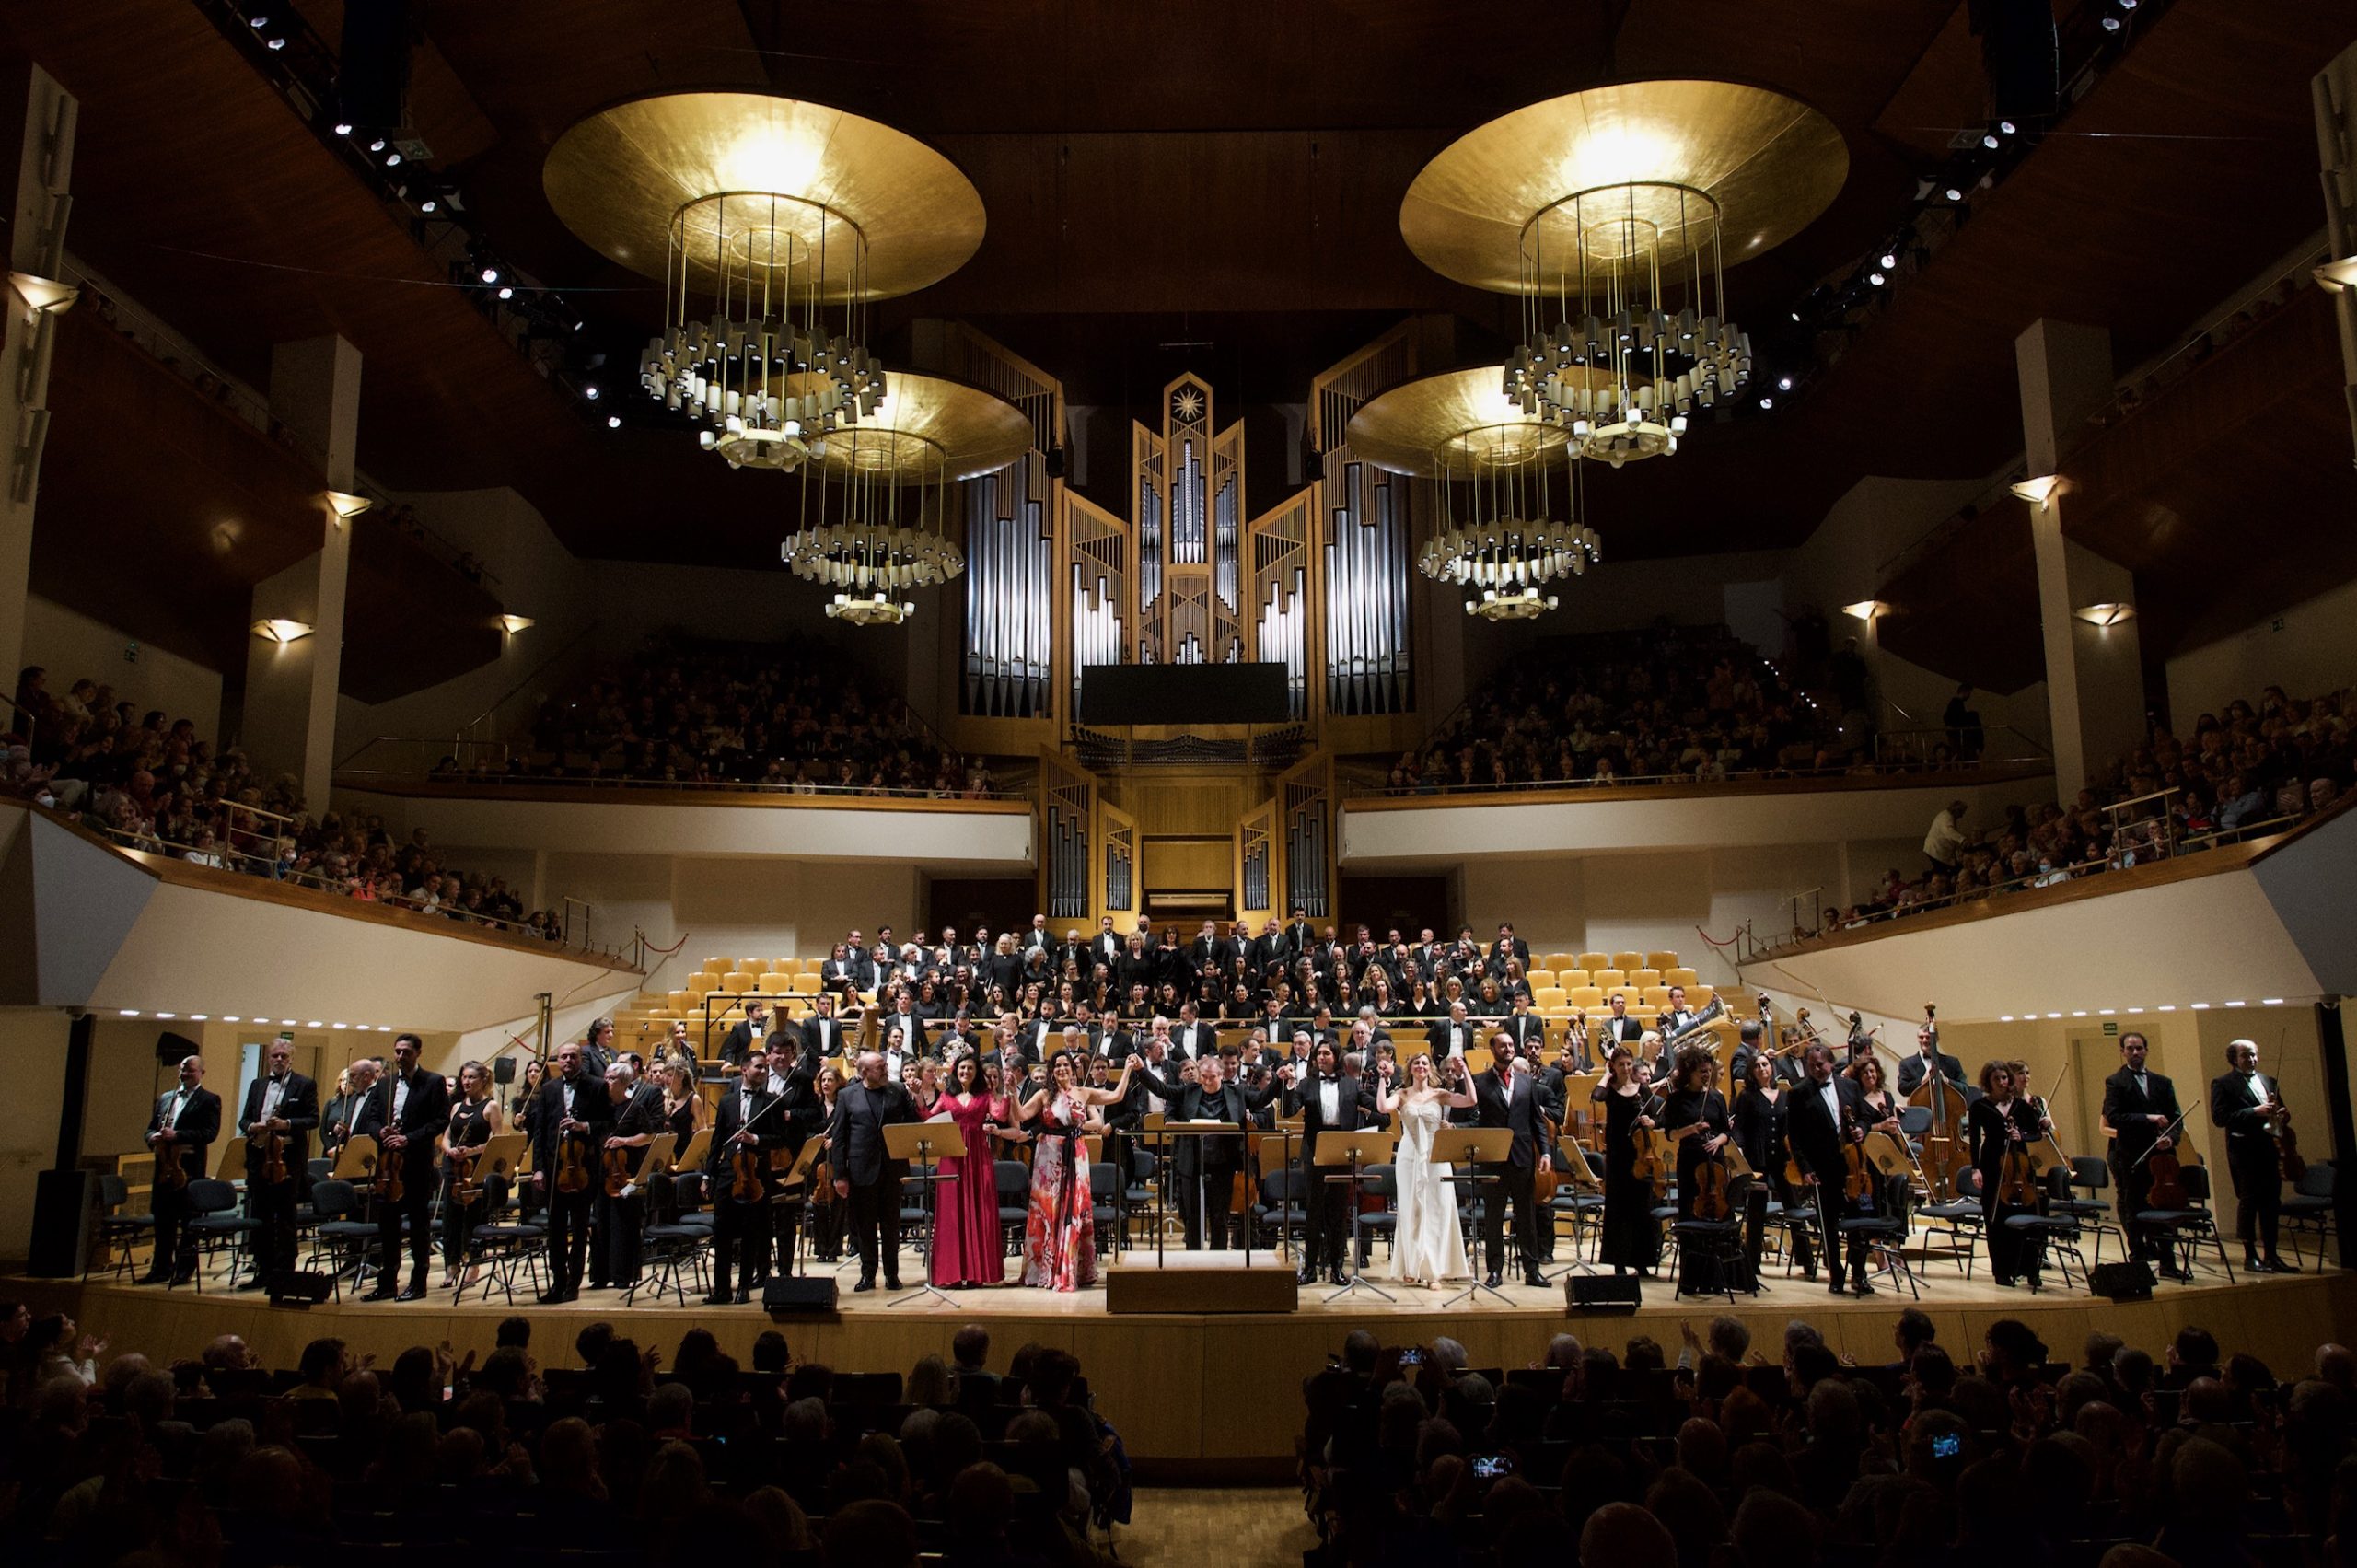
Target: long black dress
<point>1684,1108</point>
<point>2010,1257</point>
<point>1632,1239</point>
<point>1760,1124</point>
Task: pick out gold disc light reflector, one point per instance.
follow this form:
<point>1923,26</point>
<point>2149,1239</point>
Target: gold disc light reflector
<point>1771,163</point>
<point>929,429</point>
<point>619,177</point>
<point>1459,422</point>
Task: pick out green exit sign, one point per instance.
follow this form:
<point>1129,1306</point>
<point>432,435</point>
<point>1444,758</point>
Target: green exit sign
<point>2111,1029</point>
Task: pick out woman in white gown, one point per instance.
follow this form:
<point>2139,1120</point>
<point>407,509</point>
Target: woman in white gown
<point>1428,1246</point>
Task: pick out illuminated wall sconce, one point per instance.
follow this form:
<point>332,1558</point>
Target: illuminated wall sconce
<point>511,624</point>
<point>2037,492</point>
<point>280,629</point>
<point>1864,610</point>
<point>46,295</point>
<point>2338,274</point>
<point>346,505</point>
<point>2105,614</point>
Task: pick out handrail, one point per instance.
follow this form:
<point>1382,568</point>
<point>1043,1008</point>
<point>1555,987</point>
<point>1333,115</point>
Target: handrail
<point>359,778</point>
<point>1915,773</point>
<point>538,671</point>
<point>1941,734</point>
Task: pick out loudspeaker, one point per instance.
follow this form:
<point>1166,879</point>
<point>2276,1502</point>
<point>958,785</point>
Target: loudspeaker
<point>301,1287</point>
<point>372,66</point>
<point>64,1202</point>
<point>1602,1292</point>
<point>2132,1281</point>
<point>171,1048</point>
<point>503,1070</point>
<point>799,1292</point>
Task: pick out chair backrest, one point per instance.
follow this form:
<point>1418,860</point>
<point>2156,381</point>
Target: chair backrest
<point>2317,1180</point>
<point>2196,1181</point>
<point>1661,960</point>
<point>210,1196</point>
<point>2090,1172</point>
<point>113,1191</point>
<point>1100,1181</point>
<point>1607,979</point>
<point>1014,1179</point>
<point>1916,1120</point>
<point>1627,960</point>
<point>1383,1180</point>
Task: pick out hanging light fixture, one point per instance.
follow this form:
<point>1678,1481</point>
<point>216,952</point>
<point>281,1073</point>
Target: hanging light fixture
<point>775,225</point>
<point>1614,214</point>
<point>1507,529</point>
<point>876,496</point>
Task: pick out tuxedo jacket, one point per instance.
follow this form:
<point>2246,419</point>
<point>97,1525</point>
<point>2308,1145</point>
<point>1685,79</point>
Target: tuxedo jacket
<point>1528,1029</point>
<point>1519,1112</point>
<point>856,1150</point>
<point>198,1125</point>
<point>425,1110</point>
<point>740,1043</point>
<point>299,1105</point>
<point>590,1104</point>
<point>1196,1153</point>
<point>639,1115</point>
<point>770,1129</point>
<point>2234,1106</point>
<point>822,1038</point>
<point>2127,1111</point>
<point>1037,939</point>
<point>1452,1039</point>
<point>1353,1106</point>
<point>912,1027</point>
<point>1106,946</point>
<point>1622,1028</point>
<point>1913,1072</point>
<point>1814,1138</point>
<point>1191,1040</point>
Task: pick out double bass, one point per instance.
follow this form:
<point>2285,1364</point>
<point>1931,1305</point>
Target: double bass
<point>1945,1154</point>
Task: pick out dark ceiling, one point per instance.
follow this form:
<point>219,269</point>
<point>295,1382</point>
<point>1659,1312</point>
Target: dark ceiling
<point>1225,174</point>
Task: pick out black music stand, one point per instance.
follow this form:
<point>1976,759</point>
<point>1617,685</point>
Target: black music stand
<point>1471,1148</point>
<point>1354,1149</point>
<point>919,1143</point>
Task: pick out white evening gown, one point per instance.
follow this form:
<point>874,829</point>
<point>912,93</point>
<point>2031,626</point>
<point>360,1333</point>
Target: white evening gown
<point>1430,1244</point>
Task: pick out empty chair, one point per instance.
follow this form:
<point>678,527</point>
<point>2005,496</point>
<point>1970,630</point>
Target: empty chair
<point>736,983</point>
<point>718,965</point>
<point>700,986</point>
<point>1644,979</point>
<point>1538,979</point>
<point>1588,996</point>
<point>1697,995</point>
<point>1595,961</point>
<point>1673,975</point>
<point>1546,996</point>
<point>805,985</point>
<point>1627,960</point>
<point>1607,979</point>
<point>776,983</point>
<point>1657,996</point>
<point>1661,960</point>
<point>1560,961</point>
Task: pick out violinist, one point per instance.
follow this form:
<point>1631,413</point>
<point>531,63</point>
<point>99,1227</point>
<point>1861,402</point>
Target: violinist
<point>573,1109</point>
<point>1878,1111</point>
<point>1696,1117</point>
<point>1823,1121</point>
<point>1631,1239</point>
<point>284,1104</point>
<point>621,1215</point>
<point>2248,1109</point>
<point>2000,1122</point>
<point>404,1113</point>
<point>1761,1116</point>
<point>736,1170</point>
<point>473,1120</point>
<point>2140,1107</point>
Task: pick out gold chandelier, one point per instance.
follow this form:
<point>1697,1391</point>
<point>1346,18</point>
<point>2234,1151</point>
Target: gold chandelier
<point>1497,536</point>
<point>874,522</point>
<point>1613,214</point>
<point>773,224</point>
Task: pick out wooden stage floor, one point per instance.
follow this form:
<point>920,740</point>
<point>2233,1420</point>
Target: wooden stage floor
<point>1216,1395</point>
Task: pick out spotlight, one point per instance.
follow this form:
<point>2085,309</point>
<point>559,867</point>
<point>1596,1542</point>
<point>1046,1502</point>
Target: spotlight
<point>1954,194</point>
<point>490,274</point>
<point>1767,402</point>
<point>2111,24</point>
<point>2005,127</point>
<point>613,421</point>
<point>343,127</point>
<point>1783,383</point>
<point>274,44</point>
<point>1990,141</point>
<point>377,145</point>
<point>2127,4</point>
<point>1878,279</point>
<point>428,204</point>
<point>1890,258</point>
<point>392,160</point>
<point>259,22</point>
<point>1796,315</point>
<point>589,390</point>
<point>506,294</point>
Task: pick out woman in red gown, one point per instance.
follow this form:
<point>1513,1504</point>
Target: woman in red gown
<point>965,1248</point>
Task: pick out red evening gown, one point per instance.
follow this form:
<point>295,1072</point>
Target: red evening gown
<point>966,1247</point>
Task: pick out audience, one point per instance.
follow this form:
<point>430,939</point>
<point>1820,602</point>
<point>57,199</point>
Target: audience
<point>152,784</point>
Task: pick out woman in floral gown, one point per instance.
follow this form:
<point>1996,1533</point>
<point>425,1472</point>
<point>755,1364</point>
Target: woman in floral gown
<point>965,1248</point>
<point>1060,1237</point>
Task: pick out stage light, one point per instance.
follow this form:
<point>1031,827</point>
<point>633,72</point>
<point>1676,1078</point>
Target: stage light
<point>1767,402</point>
<point>613,421</point>
<point>2111,24</point>
<point>278,628</point>
<point>233,1017</point>
<point>275,44</point>
<point>343,127</point>
<point>345,505</point>
<point>168,1014</point>
<point>2270,1001</point>
<point>130,1012</point>
<point>1954,194</point>
<point>2338,274</point>
<point>259,22</point>
<point>1878,279</point>
<point>506,294</point>
<point>490,274</point>
<point>1864,610</point>
<point>46,295</point>
<point>377,145</point>
<point>198,1017</point>
<point>2005,127</point>
<point>1796,314</point>
<point>2237,1004</point>
<point>392,160</point>
<point>2037,490</point>
<point>511,624</point>
<point>1890,259</point>
<point>1783,383</point>
<point>1990,141</point>
<point>2106,614</point>
<point>589,390</point>
<point>428,204</point>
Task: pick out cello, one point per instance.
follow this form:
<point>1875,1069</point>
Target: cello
<point>1945,1154</point>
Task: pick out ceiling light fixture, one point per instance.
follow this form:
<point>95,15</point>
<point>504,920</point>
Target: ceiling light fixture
<point>589,390</point>
<point>1878,279</point>
<point>46,297</point>
<point>1611,214</point>
<point>506,292</point>
<point>613,421</point>
<point>1783,383</point>
<point>428,206</point>
<point>511,624</point>
<point>277,629</point>
<point>1865,608</point>
<point>2037,490</point>
<point>392,160</point>
<point>2339,275</point>
<point>275,44</point>
<point>345,505</point>
<point>2105,614</point>
<point>1890,258</point>
<point>343,127</point>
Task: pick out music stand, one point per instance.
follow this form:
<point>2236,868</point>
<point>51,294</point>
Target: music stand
<point>1470,1148</point>
<point>1357,1150</point>
<point>920,1143</point>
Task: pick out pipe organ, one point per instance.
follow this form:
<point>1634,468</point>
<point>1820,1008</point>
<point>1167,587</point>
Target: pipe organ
<point>1010,645</point>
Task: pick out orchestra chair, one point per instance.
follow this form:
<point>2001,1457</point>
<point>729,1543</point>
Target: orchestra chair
<point>2185,1231</point>
<point>1279,1212</point>
<point>1886,1235</point>
<point>213,1219</point>
<point>117,1229</point>
<point>1710,1257</point>
<point>1962,1221</point>
<point>2093,1212</point>
<point>678,1247</point>
<point>1013,1181</point>
<point>1103,1184</point>
<point>2307,1208</point>
<point>1627,960</point>
<point>340,1238</point>
<point>1664,961</point>
<point>1377,1181</point>
<point>2057,1230</point>
<point>1561,962</point>
<point>1595,961</point>
<point>505,1240</point>
<point>1583,1202</point>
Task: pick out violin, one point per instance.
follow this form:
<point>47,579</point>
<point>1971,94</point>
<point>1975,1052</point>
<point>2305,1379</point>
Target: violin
<point>2288,1161</point>
<point>745,1171</point>
<point>1649,1167</point>
<point>1544,1182</point>
<point>1710,1188</point>
<point>2016,1185</point>
<point>2165,1190</point>
<point>1858,1171</point>
<point>572,1163</point>
<point>387,1181</point>
<point>273,1154</point>
<point>170,1174</point>
<point>615,1162</point>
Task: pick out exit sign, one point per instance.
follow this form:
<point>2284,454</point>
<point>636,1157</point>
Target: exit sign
<point>2111,1029</point>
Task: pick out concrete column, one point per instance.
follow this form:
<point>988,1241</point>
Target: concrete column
<point>37,117</point>
<point>2095,683</point>
<point>289,720</point>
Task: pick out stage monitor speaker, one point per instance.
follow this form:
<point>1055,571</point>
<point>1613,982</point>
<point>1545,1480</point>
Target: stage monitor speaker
<point>799,1293</point>
<point>1602,1292</point>
<point>171,1048</point>
<point>63,1204</point>
<point>301,1287</point>
<point>503,1071</point>
<point>372,66</point>
<point>2132,1281</point>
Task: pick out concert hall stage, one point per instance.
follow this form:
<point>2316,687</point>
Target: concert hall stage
<point>1201,1395</point>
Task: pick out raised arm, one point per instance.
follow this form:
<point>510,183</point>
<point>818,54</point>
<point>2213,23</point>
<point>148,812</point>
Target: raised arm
<point>1120,1090</point>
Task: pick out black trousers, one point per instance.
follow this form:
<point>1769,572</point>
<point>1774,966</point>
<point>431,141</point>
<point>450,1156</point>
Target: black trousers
<point>2258,1195</point>
<point>1205,1202</point>
<point>740,1241</point>
<point>271,1205</point>
<point>621,1237</point>
<point>1830,1207</point>
<point>1512,1186</point>
<point>416,1206</point>
<point>1325,1215</point>
<point>175,1248</point>
<point>2011,1255</point>
<point>2135,1184</point>
<point>568,1235</point>
<point>876,1224</point>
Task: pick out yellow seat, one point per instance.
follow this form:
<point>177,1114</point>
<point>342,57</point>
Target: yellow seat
<point>1595,961</point>
<point>806,985</point>
<point>1661,960</point>
<point>1546,996</point>
<point>1644,980</point>
<point>1586,996</point>
<point>1645,1016</point>
<point>1539,979</point>
<point>1607,979</point>
<point>1657,997</point>
<point>1560,961</point>
<point>675,1000</point>
<point>1699,996</point>
<point>718,965</point>
<point>701,985</point>
<point>1625,961</point>
<point>775,981</point>
<point>1675,976</point>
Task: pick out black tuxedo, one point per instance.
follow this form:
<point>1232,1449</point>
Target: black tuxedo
<point>1447,1039</point>
<point>912,1027</point>
<point>1195,1040</point>
<point>1529,1031</point>
<point>841,974</point>
<point>1509,948</point>
<point>1204,1166</point>
<point>1105,948</point>
<point>1815,1139</point>
<point>1519,1111</point>
<point>741,1228</point>
<point>2128,1108</point>
<point>823,1039</point>
<point>569,1211</point>
<point>272,1203</point>
<point>1625,1030</point>
<point>859,1158</point>
<point>195,1118</point>
<point>1037,938</point>
<point>2253,1158</point>
<point>1913,1072</point>
<point>1353,1110</point>
<point>741,1041</point>
<point>418,1114</point>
